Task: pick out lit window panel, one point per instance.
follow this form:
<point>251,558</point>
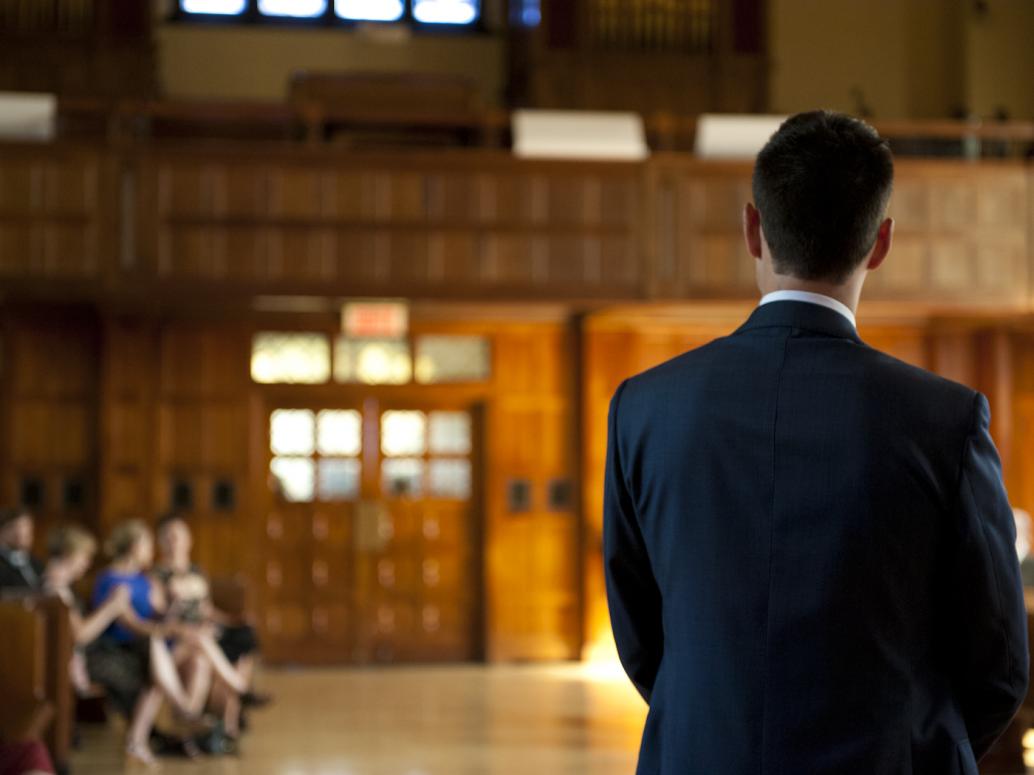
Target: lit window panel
<point>403,433</point>
<point>220,7</point>
<point>449,433</point>
<point>373,361</point>
<point>338,479</point>
<point>292,432</point>
<point>294,478</point>
<point>290,358</point>
<point>339,432</point>
<point>530,13</point>
<point>445,11</point>
<point>452,359</point>
<point>299,9</point>
<point>369,10</point>
<point>402,477</point>
<point>450,478</point>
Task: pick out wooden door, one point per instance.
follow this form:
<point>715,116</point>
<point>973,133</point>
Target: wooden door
<point>372,546</point>
<point>316,459</point>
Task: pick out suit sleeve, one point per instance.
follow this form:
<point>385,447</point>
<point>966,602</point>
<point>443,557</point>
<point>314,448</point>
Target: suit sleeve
<point>991,663</point>
<point>632,593</point>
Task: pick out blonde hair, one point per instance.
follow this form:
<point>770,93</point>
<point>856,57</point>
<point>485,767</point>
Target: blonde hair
<point>123,537</point>
<point>66,540</point>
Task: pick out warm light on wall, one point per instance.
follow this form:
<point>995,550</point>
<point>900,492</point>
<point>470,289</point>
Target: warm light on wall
<point>600,647</point>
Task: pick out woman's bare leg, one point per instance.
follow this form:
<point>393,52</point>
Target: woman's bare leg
<point>232,708</point>
<point>197,676</point>
<point>139,733</point>
<point>190,700</point>
<point>222,665</point>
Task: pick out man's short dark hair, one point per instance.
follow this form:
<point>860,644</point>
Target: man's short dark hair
<point>821,184</point>
<point>7,516</point>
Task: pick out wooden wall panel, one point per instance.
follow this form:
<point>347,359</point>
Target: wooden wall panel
<point>57,207</point>
<point>129,420</point>
<point>204,434</point>
<point>437,226</point>
<point>48,430</point>
<point>198,223</point>
<point>532,557</point>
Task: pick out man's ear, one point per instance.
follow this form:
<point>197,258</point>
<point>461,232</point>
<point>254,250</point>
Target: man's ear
<point>882,247</point>
<point>752,229</point>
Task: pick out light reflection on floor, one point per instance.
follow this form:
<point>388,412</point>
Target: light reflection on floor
<point>463,720</point>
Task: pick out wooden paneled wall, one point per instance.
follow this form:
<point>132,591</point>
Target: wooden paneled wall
<point>48,416</point>
<point>125,406</point>
<point>192,225</point>
<point>174,415</point>
<point>452,225</point>
<point>58,207</point>
<point>533,555</point>
<point>131,407</point>
<point>77,47</point>
<point>690,57</point>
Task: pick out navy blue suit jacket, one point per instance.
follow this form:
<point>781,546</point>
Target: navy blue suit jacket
<point>810,558</point>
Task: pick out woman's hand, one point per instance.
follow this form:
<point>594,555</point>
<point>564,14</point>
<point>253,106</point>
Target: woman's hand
<point>121,599</point>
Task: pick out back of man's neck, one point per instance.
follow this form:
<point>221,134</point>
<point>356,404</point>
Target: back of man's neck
<point>844,295</point>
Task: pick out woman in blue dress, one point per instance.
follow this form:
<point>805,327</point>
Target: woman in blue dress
<point>135,651</point>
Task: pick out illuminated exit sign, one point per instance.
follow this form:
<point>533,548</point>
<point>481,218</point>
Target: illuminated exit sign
<point>375,319</point>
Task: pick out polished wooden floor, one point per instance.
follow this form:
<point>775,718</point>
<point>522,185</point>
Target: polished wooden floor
<point>464,720</point>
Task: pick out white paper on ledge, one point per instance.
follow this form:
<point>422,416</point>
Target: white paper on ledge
<point>577,134</point>
<point>730,136</point>
<point>27,116</point>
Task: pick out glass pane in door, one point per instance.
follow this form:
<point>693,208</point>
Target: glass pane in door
<point>403,433</point>
<point>294,478</point>
<point>292,432</point>
<point>339,432</point>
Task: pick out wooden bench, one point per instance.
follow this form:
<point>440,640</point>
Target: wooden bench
<point>34,672</point>
<point>393,108</point>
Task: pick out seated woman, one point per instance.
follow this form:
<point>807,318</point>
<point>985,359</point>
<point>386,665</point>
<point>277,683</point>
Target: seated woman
<point>188,593</point>
<point>70,551</point>
<point>132,658</point>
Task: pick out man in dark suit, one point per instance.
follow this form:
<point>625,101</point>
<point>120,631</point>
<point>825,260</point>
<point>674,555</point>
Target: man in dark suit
<point>18,568</point>
<point>809,551</point>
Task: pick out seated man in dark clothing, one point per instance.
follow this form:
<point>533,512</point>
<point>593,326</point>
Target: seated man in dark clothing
<point>18,568</point>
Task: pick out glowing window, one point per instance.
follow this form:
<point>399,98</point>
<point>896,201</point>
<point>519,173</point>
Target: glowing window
<point>339,432</point>
<point>403,433</point>
<point>373,361</point>
<point>402,476</point>
<point>450,478</point>
<point>529,13</point>
<point>449,433</point>
<point>220,7</point>
<point>452,359</point>
<point>289,357</point>
<point>369,10</point>
<point>292,432</point>
<point>300,9</point>
<point>445,11</point>
<point>338,479</point>
<point>295,478</point>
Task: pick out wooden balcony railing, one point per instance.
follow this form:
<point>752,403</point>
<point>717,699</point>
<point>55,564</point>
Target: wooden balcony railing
<point>387,125</point>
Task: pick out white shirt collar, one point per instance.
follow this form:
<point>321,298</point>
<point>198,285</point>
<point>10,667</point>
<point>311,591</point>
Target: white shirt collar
<point>812,298</point>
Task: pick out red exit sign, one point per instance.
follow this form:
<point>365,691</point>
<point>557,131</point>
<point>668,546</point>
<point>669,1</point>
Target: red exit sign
<point>375,319</point>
